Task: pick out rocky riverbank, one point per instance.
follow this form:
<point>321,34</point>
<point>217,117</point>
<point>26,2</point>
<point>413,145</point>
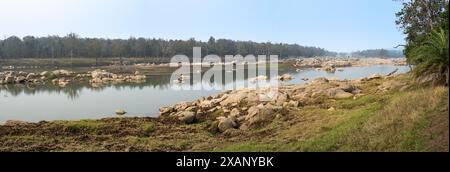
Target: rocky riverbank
<point>376,113</point>
<point>246,109</point>
<point>331,62</point>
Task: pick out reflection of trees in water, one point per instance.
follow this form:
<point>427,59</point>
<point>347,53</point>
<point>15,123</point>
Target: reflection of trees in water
<point>74,89</point>
<point>71,91</point>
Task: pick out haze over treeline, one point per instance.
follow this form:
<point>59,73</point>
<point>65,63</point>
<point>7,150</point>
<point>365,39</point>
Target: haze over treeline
<point>383,53</point>
<point>74,46</point>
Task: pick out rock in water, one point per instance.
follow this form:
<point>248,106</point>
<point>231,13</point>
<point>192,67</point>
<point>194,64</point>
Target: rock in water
<point>285,77</point>
<point>20,80</point>
<point>165,110</point>
<point>62,73</point>
<point>9,79</point>
<point>44,73</point>
<point>101,74</point>
<point>120,112</point>
<point>31,76</point>
<point>329,68</point>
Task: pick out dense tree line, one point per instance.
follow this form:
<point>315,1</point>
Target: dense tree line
<point>383,53</point>
<point>425,23</point>
<point>74,46</point>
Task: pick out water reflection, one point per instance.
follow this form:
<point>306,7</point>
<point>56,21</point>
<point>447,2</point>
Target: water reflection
<point>159,82</point>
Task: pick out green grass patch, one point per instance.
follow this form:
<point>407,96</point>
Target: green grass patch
<point>148,129</point>
<point>84,126</point>
<point>331,139</point>
<point>413,140</point>
<point>350,103</point>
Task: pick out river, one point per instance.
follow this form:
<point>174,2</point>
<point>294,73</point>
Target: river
<point>82,101</point>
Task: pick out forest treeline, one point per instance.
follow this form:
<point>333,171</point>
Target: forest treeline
<point>425,24</point>
<point>383,53</point>
<point>72,45</point>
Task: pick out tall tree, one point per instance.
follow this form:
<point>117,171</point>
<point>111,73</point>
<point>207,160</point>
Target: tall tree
<point>29,46</point>
<point>419,17</point>
<point>12,47</point>
<point>425,22</point>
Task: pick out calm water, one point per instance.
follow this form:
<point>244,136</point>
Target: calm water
<point>81,101</point>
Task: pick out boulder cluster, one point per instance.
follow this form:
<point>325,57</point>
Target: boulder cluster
<point>329,68</point>
<point>102,77</point>
<point>238,109</point>
<point>345,62</point>
<point>63,77</point>
<point>21,77</point>
<point>322,62</point>
<point>251,108</point>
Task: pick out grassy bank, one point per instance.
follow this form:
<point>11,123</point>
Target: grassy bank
<point>410,118</point>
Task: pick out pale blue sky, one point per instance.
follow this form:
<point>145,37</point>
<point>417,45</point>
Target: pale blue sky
<point>337,25</point>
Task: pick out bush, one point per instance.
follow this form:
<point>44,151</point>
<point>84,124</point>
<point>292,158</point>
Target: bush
<point>148,129</point>
<point>431,57</point>
<point>51,77</point>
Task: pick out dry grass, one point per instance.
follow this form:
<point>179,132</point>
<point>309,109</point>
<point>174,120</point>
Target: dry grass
<point>412,120</point>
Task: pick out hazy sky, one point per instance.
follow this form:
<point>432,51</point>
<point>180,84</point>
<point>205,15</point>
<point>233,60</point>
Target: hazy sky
<point>337,25</point>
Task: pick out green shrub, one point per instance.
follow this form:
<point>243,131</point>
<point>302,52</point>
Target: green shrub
<point>148,129</point>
